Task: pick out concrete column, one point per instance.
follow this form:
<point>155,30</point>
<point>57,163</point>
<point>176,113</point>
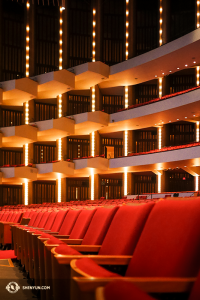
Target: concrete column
<point>63,189</point>
<point>130,146</point>
<point>31,111</point>
<point>131,95</point>
<point>30,153</point>
<point>31,20</point>
<point>65,16</point>
<point>97,143</point>
<point>65,148</point>
<point>97,187</point>
<point>129,183</point>
<point>132,28</point>
<point>164,136</point>
<point>165,86</point>
<point>97,4</point>
<point>196,132</point>
<point>98,99</point>
<point>166,21</point>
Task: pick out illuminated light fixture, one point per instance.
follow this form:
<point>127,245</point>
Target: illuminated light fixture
<point>177,119</point>
<point>198,13</point>
<point>93,98</point>
<point>197,131</point>
<point>59,149</point>
<point>26,113</point>
<point>127,31</point>
<point>159,182</point>
<point>178,68</point>
<point>186,65</point>
<point>169,121</point>
<point>156,76</point>
<point>194,62</point>
<point>170,71</point>
<point>59,188</point>
<point>60,106</point>
<point>126,143</point>
<point>160,87</point>
<point>94,36</point>
<point>26,192</point>
<point>197,72</point>
<point>61,39</point>
<point>93,144</point>
<point>125,181</point>
<point>159,138</point>
<point>126,97</point>
<point>163,73</point>
<point>92,184</point>
<point>26,155</point>
<point>27,39</point>
<point>196,183</point>
<point>185,117</point>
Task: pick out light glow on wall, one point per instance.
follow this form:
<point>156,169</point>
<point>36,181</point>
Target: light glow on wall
<point>61,40</point>
<point>94,36</point>
<point>197,131</point>
<point>126,97</point>
<point>198,14</point>
<point>92,184</point>
<point>159,182</point>
<point>160,87</point>
<point>26,113</point>
<point>60,106</point>
<point>125,142</point>
<point>93,98</point>
<point>125,181</point>
<point>59,188</point>
<point>26,155</point>
<point>59,149</point>
<point>93,144</point>
<point>27,39</point>
<point>127,30</point>
<point>26,191</point>
<point>160,23</point>
<point>197,74</point>
<point>159,138</point>
<point>196,183</point>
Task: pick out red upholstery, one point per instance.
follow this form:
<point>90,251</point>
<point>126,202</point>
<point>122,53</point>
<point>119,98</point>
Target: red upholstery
<point>32,220</point>
<point>90,267</point>
<point>9,217</point>
<point>58,220</point>
<point>50,220</point>
<point>66,250</point>
<point>99,226</point>
<point>44,219</point>
<point>125,230</point>
<point>69,222</point>
<point>195,293</point>
<point>18,217</point>
<point>120,290</point>
<point>82,223</point>
<point>169,245</point>
<point>38,219</point>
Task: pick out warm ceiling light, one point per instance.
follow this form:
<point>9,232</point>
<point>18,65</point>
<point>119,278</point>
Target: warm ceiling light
<point>178,68</point>
<point>169,121</point>
<point>163,73</point>
<point>186,65</point>
<point>185,117</point>
<point>177,119</point>
<point>193,115</point>
<point>194,62</point>
<point>156,76</point>
<point>170,71</point>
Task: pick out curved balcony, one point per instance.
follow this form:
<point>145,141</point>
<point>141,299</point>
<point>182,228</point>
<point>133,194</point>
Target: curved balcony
<point>18,91</point>
<point>16,136</point>
<point>83,165</point>
<point>51,170</point>
<point>51,130</point>
<point>184,156</point>
<point>18,173</point>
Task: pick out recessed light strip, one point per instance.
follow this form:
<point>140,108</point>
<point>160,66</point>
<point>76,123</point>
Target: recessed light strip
<point>161,22</point>
<point>27,39</point>
<point>61,40</point>
<point>94,36</point>
<point>198,13</point>
<point>127,30</point>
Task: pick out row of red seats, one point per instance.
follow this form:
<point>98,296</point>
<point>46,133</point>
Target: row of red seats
<point>159,99</point>
<point>171,251</point>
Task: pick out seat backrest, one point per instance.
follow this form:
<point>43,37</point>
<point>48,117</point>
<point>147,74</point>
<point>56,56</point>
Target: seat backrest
<point>169,245</point>
<point>18,217</point>
<point>1,215</point>
<point>33,218</point>
<point>26,214</point>
<point>69,222</point>
<point>44,219</point>
<point>125,230</point>
<point>50,220</point>
<point>58,220</point>
<point>99,226</point>
<point>38,219</point>
<point>82,224</point>
<point>9,217</point>
<point>13,217</point>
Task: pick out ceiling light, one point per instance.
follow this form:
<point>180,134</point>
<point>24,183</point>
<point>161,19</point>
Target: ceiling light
<point>193,115</point>
<point>194,62</point>
<point>163,73</point>
<point>170,71</point>
<point>169,121</point>
<point>156,76</point>
<point>185,117</point>
<point>177,119</point>
<point>186,65</point>
<point>178,68</point>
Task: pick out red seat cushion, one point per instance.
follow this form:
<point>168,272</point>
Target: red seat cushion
<point>69,222</point>
<point>64,249</point>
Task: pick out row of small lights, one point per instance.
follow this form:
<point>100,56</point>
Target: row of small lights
<point>94,36</point>
<point>194,62</point>
<point>160,21</point>
<point>127,29</point>
<point>27,41</point>
<point>61,39</point>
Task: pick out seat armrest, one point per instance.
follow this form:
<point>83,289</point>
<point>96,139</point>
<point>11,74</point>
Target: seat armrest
<point>62,236</point>
<point>87,248</point>
<point>147,284</point>
<point>72,241</point>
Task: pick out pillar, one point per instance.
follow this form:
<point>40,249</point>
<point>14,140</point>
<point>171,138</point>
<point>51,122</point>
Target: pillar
<point>166,21</point>
<point>97,143</point>
<point>128,181</point>
<point>129,142</point>
<point>96,188</point>
<point>65,17</point>
<point>97,4</point>
<point>132,29</point>
<point>31,20</point>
